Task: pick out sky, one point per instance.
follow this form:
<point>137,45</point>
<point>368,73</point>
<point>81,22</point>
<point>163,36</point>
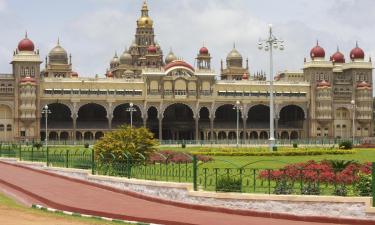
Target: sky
<point>92,30</point>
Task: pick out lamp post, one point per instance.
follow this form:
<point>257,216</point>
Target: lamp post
<point>267,44</point>
<point>237,107</point>
<point>46,111</point>
<point>131,109</point>
<point>353,126</point>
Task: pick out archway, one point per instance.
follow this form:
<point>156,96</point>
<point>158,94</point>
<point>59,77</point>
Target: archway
<point>98,135</point>
<point>178,123</point>
<point>153,121</point>
<point>263,135</point>
<point>64,136</point>
<point>294,135</point>
<point>291,116</point>
<point>226,117</point>
<point>258,117</point>
<point>88,136</point>
<point>78,136</point>
<point>253,135</point>
<point>342,123</point>
<point>59,118</point>
<point>232,135</point>
<point>53,136</point>
<point>204,121</point>
<point>284,135</point>
<point>121,116</point>
<point>222,135</point>
<point>92,116</point>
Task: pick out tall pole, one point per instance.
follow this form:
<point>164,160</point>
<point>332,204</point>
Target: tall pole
<point>237,134</point>
<point>46,111</point>
<point>131,109</point>
<point>353,126</point>
<point>237,107</point>
<point>268,44</point>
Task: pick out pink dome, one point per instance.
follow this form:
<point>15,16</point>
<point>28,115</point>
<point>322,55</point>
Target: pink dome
<point>245,76</point>
<point>317,52</point>
<point>323,84</point>
<point>28,80</point>
<point>363,84</point>
<point>357,53</point>
<point>26,44</point>
<point>109,74</point>
<point>151,49</point>
<point>338,57</point>
<point>178,63</point>
<point>74,74</point>
<point>203,51</point>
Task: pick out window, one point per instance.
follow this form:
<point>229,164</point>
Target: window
<point>1,127</point>
<point>9,127</point>
<point>338,126</point>
<point>344,126</point>
<point>23,133</point>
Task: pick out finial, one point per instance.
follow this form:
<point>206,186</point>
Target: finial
<point>234,45</point>
<point>26,34</point>
<point>317,42</point>
<point>115,54</point>
<point>58,40</point>
<point>356,44</point>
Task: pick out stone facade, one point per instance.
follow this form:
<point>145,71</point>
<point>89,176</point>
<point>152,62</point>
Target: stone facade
<point>177,101</point>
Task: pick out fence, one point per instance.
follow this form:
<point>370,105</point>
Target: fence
<point>228,177</point>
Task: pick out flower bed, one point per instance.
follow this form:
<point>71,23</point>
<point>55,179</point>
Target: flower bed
<point>175,157</point>
<point>298,152</point>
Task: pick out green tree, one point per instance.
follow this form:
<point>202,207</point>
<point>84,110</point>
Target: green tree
<point>134,142</point>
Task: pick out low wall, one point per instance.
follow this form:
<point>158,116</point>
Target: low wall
<point>321,206</point>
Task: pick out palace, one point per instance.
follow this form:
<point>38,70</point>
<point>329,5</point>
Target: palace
<point>178,101</point>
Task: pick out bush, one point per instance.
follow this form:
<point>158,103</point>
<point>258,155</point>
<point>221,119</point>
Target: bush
<point>346,145</point>
<point>86,145</point>
<point>229,184</point>
<point>311,188</point>
<point>295,145</point>
<point>364,186</point>
<point>37,145</point>
<point>135,142</point>
<point>183,145</point>
<point>283,187</point>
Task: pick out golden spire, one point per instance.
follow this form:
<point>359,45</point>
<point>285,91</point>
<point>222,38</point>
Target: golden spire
<point>145,21</point>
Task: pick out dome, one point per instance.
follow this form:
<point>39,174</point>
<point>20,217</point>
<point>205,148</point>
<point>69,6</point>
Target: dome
<point>28,80</point>
<point>151,49</point>
<point>109,74</point>
<point>324,84</point>
<point>26,44</point>
<point>357,53</point>
<point>338,57</point>
<point>317,52</point>
<point>245,76</point>
<point>74,74</point>
<point>363,84</point>
<point>126,58</point>
<point>176,63</point>
<point>234,54</point>
<point>203,51</point>
<point>170,57</point>
<point>145,21</point>
<point>58,54</point>
<point>115,60</point>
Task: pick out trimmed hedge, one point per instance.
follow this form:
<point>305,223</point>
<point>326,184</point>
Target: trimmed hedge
<point>278,153</point>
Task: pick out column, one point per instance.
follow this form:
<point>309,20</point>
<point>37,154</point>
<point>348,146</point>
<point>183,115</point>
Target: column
<point>212,128</point>
<point>276,127</point>
<point>160,117</point>
<point>197,128</point>
<point>244,119</point>
<point>74,117</point>
<point>144,121</point>
<point>109,117</point>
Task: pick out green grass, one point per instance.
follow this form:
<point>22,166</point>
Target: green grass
<point>13,205</point>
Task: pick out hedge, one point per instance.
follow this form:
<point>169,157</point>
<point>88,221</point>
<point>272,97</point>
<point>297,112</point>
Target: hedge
<point>278,153</point>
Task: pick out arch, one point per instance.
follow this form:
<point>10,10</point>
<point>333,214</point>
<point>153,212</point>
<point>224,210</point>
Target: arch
<point>153,120</point>
<point>214,137</point>
<point>2,127</point>
<point>64,136</point>
<point>342,122</point>
<point>294,135</point>
<point>178,122</point>
<point>88,136</point>
<point>78,135</point>
<point>226,116</point>
<point>121,116</point>
<point>263,135</point>
<point>59,118</point>
<point>53,136</point>
<point>99,135</point>
<point>284,135</point>
<point>222,135</point>
<point>232,135</point>
<point>291,116</point>
<point>92,116</point>
<point>258,117</point>
<point>253,135</point>
<point>204,120</point>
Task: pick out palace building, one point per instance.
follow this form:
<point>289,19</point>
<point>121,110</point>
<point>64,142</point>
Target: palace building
<point>178,101</point>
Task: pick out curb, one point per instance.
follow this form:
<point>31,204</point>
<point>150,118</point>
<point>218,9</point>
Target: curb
<point>36,206</point>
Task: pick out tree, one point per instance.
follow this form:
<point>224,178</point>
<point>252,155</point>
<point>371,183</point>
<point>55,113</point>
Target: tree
<point>126,141</point>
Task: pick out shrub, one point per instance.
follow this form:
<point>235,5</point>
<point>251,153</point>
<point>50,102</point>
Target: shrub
<point>295,145</point>
<point>311,188</point>
<point>283,187</point>
<point>135,142</point>
<point>346,145</point>
<point>37,145</point>
<point>364,186</point>
<point>86,145</point>
<point>228,184</point>
<point>183,145</point>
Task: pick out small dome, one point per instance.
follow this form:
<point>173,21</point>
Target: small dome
<point>317,52</point>
<point>74,74</point>
<point>26,44</point>
<point>109,74</point>
<point>170,57</point>
<point>28,80</point>
<point>115,60</point>
<point>176,63</point>
<point>234,54</point>
<point>126,58</point>
<point>203,51</point>
<point>58,54</point>
<point>245,76</point>
<point>338,57</point>
<point>363,84</point>
<point>323,84</point>
<point>357,53</point>
<point>151,49</point>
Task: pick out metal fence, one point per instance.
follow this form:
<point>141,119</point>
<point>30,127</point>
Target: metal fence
<point>228,177</point>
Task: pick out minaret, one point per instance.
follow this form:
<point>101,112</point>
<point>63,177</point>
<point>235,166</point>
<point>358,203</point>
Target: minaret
<point>204,59</point>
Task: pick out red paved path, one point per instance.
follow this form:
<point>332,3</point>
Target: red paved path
<point>85,197</point>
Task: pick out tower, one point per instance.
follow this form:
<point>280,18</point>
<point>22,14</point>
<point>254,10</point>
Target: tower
<point>58,63</point>
<point>26,69</point>
<point>204,59</point>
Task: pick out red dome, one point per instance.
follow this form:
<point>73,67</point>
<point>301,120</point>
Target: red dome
<point>178,63</point>
<point>317,52</point>
<point>26,45</point>
<point>203,51</point>
<point>109,74</point>
<point>363,84</point>
<point>338,57</point>
<point>357,53</point>
<point>151,49</point>
<point>28,80</point>
<point>324,83</point>
<point>245,76</point>
<point>74,74</point>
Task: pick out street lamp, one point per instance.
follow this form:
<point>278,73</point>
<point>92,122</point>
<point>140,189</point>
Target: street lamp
<point>269,44</point>
<point>131,109</point>
<point>237,107</point>
<point>46,111</point>
<point>353,126</point>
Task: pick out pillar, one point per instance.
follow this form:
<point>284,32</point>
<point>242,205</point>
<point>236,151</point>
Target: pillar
<point>109,117</point>
<point>244,119</point>
<point>160,117</point>
<point>74,117</point>
<point>196,128</point>
<point>212,128</point>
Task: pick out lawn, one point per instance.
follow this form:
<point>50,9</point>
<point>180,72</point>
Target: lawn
<point>13,213</point>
